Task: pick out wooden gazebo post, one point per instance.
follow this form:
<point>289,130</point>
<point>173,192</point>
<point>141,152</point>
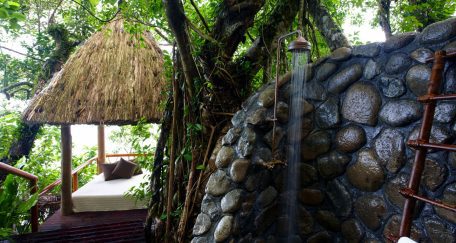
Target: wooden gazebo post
<point>66,201</point>
<point>101,147</point>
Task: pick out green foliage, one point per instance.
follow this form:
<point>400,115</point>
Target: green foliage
<point>10,15</point>
<point>8,131</point>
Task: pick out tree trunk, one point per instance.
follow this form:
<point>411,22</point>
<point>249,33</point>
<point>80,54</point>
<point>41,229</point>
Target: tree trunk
<point>384,17</point>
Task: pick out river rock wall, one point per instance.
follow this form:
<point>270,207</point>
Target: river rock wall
<point>360,110</point>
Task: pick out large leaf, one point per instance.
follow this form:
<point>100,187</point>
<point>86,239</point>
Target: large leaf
<point>13,5</point>
<point>3,13</point>
<point>18,16</point>
<point>94,3</point>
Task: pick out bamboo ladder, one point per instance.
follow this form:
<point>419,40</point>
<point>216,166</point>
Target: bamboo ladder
<point>422,144</point>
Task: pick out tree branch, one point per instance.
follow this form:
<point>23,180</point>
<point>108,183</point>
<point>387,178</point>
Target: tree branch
<point>384,17</point>
<point>200,15</point>
<point>93,15</point>
<point>23,54</point>
<point>15,85</point>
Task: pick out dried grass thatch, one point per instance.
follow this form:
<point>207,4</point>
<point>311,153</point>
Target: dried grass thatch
<point>114,78</point>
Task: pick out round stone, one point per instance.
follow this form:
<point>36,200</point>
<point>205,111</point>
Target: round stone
<point>238,118</point>
<point>392,188</point>
<point>434,174</point>
<point>320,237</point>
<point>328,220</point>
<point>317,143</point>
<point>350,138</point>
<point>257,117</point>
<point>266,97</point>
<point>202,224</point>
<point>315,91</point>
<point>231,201</point>
<point>438,32</point>
<point>282,112</point>
<point>417,79</point>
<point>305,221</point>
<point>341,54</point>
<point>392,228</point>
<point>266,218</point>
<point>397,63</point>
<point>312,197</point>
<point>366,173</point>
<point>246,142</point>
<point>371,209</point>
<point>224,157</point>
<point>437,231</point>
<point>308,174</point>
<point>361,104</point>
<point>327,114</point>
<point>449,197</point>
<point>332,164</point>
<point>238,169</point>
<point>449,86</point>
<point>421,54</point>
<point>390,149</point>
<point>218,183</point>
<point>368,50</point>
<point>452,159</point>
<point>398,41</point>
<point>231,136</point>
<point>210,207</point>
<point>266,197</point>
<point>278,136</point>
<point>450,47</point>
<point>324,71</point>
<point>352,230</point>
<point>439,134</point>
<point>445,112</point>
<point>392,87</point>
<point>223,229</point>
<point>371,70</point>
<point>341,80</point>
<point>305,127</point>
<point>340,198</point>
<point>399,113</point>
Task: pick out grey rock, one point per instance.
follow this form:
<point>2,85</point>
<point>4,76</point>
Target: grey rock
<point>320,237</point>
<point>445,112</point>
<point>279,135</point>
<point>449,197</point>
<point>350,138</point>
<point>305,221</point>
<point>341,54</point>
<point>438,32</point>
<point>231,201</point>
<point>210,207</point>
<point>340,198</point>
<point>202,224</point>
<point>282,112</point>
<point>238,169</point>
<point>398,41</point>
<point>450,80</point>
<point>327,114</point>
<point>317,143</point>
<point>390,148</point>
<point>392,188</point>
<point>421,54</point>
<point>266,97</point>
<point>450,47</point>
<point>332,164</point>
<point>352,230</point>
<point>246,142</point>
<point>238,118</point>
<point>218,183</point>
<point>324,71</point>
<point>371,209</point>
<point>371,70</point>
<point>224,157</point>
<point>305,127</point>
<point>368,50</point>
<point>392,227</point>
<point>312,197</point>
<point>328,220</point>
<point>200,240</point>
<point>266,197</point>
<point>266,218</point>
<point>366,174</point>
<point>417,79</point>
<point>231,136</point>
<point>307,107</point>
<point>439,134</point>
<point>308,174</point>
<point>397,63</point>
<point>257,117</point>
<point>223,229</point>
<point>401,112</point>
<point>434,174</point>
<point>361,104</point>
<point>341,80</point>
<point>392,87</point>
<point>262,155</point>
<point>437,231</point>
<point>315,91</point>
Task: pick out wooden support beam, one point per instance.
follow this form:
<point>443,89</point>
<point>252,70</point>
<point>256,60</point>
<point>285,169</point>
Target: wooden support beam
<point>66,201</point>
<point>101,147</point>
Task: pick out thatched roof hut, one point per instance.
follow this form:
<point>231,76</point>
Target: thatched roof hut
<point>114,78</point>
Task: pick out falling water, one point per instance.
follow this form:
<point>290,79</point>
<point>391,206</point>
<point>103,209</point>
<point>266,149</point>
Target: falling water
<point>298,89</point>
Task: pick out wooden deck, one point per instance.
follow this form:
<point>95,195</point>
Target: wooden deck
<point>58,222</point>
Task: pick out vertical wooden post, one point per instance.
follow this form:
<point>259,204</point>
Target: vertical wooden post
<point>66,201</point>
<point>34,209</point>
<point>101,147</point>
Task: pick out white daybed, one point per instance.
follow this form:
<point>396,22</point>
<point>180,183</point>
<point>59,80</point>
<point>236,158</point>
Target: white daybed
<point>101,195</point>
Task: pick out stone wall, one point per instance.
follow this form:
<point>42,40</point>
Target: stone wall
<point>360,110</point>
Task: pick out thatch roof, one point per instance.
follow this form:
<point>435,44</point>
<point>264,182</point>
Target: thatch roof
<point>114,78</point>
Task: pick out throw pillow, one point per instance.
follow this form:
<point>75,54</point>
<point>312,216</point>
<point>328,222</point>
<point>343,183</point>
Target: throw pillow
<point>107,169</point>
<point>124,169</point>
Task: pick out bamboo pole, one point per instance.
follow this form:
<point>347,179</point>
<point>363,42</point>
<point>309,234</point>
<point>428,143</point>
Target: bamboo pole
<point>66,201</point>
<point>101,147</point>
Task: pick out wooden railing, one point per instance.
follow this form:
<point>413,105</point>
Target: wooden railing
<point>33,189</point>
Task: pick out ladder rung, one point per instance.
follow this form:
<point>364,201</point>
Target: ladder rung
<point>427,98</point>
<point>420,144</point>
<point>407,192</point>
<point>447,55</point>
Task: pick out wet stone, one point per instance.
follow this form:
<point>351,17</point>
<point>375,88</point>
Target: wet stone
<point>352,230</point>
<point>317,143</point>
<point>437,231</point>
<point>279,135</point>
<point>308,196</point>
<point>315,91</point>
<point>450,47</point>
<point>320,237</point>
<point>350,138</point>
<point>341,54</point>
<point>368,50</point>
<point>417,79</point>
<point>246,142</point>
<point>340,198</point>
<point>324,71</point>
<point>392,189</point>
<point>308,174</point>
<point>452,159</point>
<point>450,80</point>
<point>265,218</point>
<point>445,112</point>
<point>392,87</point>
<point>332,164</point>
<point>399,113</point>
<point>266,197</point>
<point>397,63</point>
<point>371,70</point>
<point>307,107</point>
<point>200,240</point>
<point>231,136</point>
<point>421,55</point>
<point>202,224</point>
<point>261,155</point>
<point>218,183</point>
<point>238,118</point>
<point>434,174</point>
<point>361,104</point>
<point>390,149</point>
<point>305,221</point>
<point>392,228</point>
<point>327,115</point>
<point>398,41</point>
<point>341,80</point>
<point>210,207</point>
<point>282,112</point>
<point>238,169</point>
<point>366,174</point>
<point>224,157</point>
<point>257,117</point>
<point>266,97</point>
<point>371,209</point>
<point>439,134</point>
<point>449,197</point>
<point>231,201</point>
<point>223,229</point>
<point>261,179</point>
<point>328,220</point>
<point>438,32</point>
<point>306,128</point>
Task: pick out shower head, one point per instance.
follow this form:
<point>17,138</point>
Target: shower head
<point>300,44</point>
